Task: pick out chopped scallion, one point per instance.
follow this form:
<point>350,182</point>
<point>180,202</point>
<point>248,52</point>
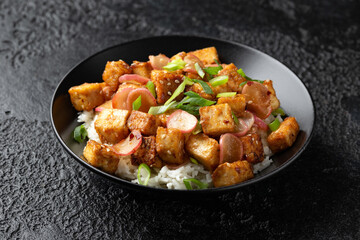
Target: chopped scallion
<point>278,111</point>
<point>236,120</point>
<point>199,70</point>
<point>212,70</point>
<point>147,177</point>
<point>193,160</point>
<point>274,125</point>
<point>207,89</point>
<point>175,64</point>
<point>150,85</point>
<point>179,90</point>
<point>241,72</point>
<point>80,133</point>
<point>198,129</point>
<point>161,109</point>
<point>188,182</point>
<point>220,80</point>
<point>226,94</point>
<point>137,103</point>
<point>242,84</point>
<point>218,63</point>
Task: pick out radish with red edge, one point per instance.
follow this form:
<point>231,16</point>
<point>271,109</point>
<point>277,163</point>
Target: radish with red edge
<point>190,61</point>
<point>120,98</point>
<point>260,123</point>
<point>242,128</point>
<point>231,148</point>
<point>147,99</point>
<point>105,105</point>
<point>259,99</point>
<point>99,109</point>
<point>182,120</point>
<point>133,77</point>
<point>159,61</point>
<point>128,145</point>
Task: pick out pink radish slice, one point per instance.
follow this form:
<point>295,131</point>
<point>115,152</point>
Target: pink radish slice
<point>182,120</point>
<point>242,128</point>
<point>259,98</point>
<point>260,123</point>
<point>147,99</point>
<point>159,61</point>
<point>119,100</point>
<point>105,105</point>
<point>190,60</point>
<point>99,109</point>
<point>128,145</point>
<point>231,148</point>
<point>248,118</point>
<point>133,77</point>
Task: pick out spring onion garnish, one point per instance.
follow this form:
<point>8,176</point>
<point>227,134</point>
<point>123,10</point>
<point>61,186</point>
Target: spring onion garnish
<point>175,64</point>
<point>161,109</point>
<point>218,63</point>
<point>147,169</point>
<point>241,72</point>
<point>278,111</point>
<point>243,83</point>
<point>137,103</point>
<point>198,129</point>
<point>150,85</point>
<point>226,94</point>
<point>188,182</point>
<point>180,89</point>
<point>220,80</point>
<point>236,120</point>
<point>213,70</point>
<point>192,103</point>
<point>274,125</point>
<point>204,85</point>
<point>193,160</point>
<point>80,133</point>
<point>199,70</point>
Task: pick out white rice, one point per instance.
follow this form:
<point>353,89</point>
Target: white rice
<point>165,177</point>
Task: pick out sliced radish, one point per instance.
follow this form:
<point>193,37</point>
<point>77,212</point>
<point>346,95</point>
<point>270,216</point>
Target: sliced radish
<point>147,99</point>
<point>119,100</point>
<point>248,118</point>
<point>133,77</point>
<point>128,145</point>
<point>231,148</point>
<point>182,120</point>
<point>105,105</point>
<point>190,60</point>
<point>260,123</point>
<point>159,61</point>
<point>242,128</point>
<point>258,99</point>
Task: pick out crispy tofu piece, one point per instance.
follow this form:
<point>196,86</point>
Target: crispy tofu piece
<point>237,103</point>
<point>227,174</point>
<point>235,79</point>
<point>146,153</point>
<point>146,123</point>
<point>284,136</point>
<point>206,55</point>
<point>165,84</point>
<point>170,145</point>
<point>217,119</point>
<point>162,118</point>
<point>111,125</point>
<point>113,70</point>
<point>107,91</point>
<point>180,55</point>
<point>141,68</point>
<point>274,101</point>
<point>86,96</point>
<point>101,156</point>
<point>204,149</point>
<point>197,88</point>
<point>253,148</point>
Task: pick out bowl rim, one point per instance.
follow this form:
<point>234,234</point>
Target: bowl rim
<point>133,186</point>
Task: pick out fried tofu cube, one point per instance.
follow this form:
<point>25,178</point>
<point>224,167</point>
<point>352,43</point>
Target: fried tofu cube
<point>197,88</point>
<point>113,70</point>
<point>284,136</point>
<point>180,55</point>
<point>111,125</point>
<point>101,156</point>
<point>235,79</point>
<point>237,103</point>
<point>107,91</point>
<point>146,123</point>
<point>162,118</point>
<point>141,68</point>
<point>204,149</point>
<point>206,55</point>
<point>165,84</point>
<point>253,148</point>
<point>86,96</point>
<point>146,153</point>
<point>227,174</point>
<point>170,145</point>
<point>274,101</point>
<point>217,119</point>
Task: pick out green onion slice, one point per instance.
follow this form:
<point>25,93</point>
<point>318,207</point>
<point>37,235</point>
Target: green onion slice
<point>198,129</point>
<point>188,182</point>
<point>148,171</point>
<point>226,94</point>
<point>175,64</point>
<point>207,89</point>
<point>278,111</point>
<point>241,72</point>
<point>193,160</point>
<point>212,70</point>
<point>218,63</point>
<point>236,120</point>
<point>150,85</point>
<point>199,70</point>
<point>274,125</point>
<point>220,80</point>
<point>80,133</point>
<point>179,90</point>
<point>137,103</point>
<point>243,83</point>
<point>161,109</point>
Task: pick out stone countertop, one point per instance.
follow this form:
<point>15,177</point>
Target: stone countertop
<point>45,194</point>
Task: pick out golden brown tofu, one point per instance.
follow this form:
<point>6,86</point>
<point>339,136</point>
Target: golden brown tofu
<point>217,119</point>
<point>235,79</point>
<point>165,84</point>
<point>170,145</point>
<point>206,55</point>
<point>274,101</point>
<point>111,125</point>
<point>146,153</point>
<point>227,174</point>
<point>197,88</point>
<point>101,156</point>
<point>204,149</point>
<point>141,68</point>
<point>253,148</point>
<point>113,70</point>
<point>86,96</point>
<point>162,118</point>
<point>284,136</point>
<point>237,103</point>
<point>144,122</point>
<point>180,55</point>
<point>107,91</point>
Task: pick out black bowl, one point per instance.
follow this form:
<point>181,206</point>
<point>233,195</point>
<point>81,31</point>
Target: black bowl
<point>292,93</point>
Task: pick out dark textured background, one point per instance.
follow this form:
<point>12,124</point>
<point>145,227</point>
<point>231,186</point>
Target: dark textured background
<point>44,194</point>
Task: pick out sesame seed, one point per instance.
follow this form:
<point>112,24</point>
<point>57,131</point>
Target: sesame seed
<point>161,81</point>
<point>169,83</point>
<point>177,81</point>
<point>169,93</point>
<point>250,102</point>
